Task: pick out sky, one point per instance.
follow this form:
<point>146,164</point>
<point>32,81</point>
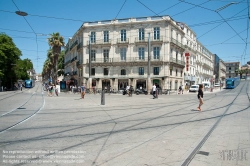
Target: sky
<point>220,25</point>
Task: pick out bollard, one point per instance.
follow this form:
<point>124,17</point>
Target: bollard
<point>103,98</point>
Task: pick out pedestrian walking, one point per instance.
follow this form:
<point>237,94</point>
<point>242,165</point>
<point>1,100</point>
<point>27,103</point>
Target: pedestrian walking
<point>200,96</point>
<point>179,92</point>
<point>153,91</point>
<point>83,91</point>
<point>21,87</point>
<point>131,89</point>
<point>182,89</point>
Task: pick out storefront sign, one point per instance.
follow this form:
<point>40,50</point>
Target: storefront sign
<point>187,60</point>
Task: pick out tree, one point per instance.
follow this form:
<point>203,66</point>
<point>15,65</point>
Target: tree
<point>21,68</point>
<point>240,72</point>
<point>9,55</point>
<point>56,42</point>
<point>61,63</point>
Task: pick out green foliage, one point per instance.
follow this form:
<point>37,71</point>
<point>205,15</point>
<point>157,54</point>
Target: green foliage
<point>22,67</point>
<point>9,55</point>
<point>55,58</point>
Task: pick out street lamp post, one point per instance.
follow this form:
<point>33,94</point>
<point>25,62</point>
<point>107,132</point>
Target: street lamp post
<point>223,7</point>
<point>148,78</point>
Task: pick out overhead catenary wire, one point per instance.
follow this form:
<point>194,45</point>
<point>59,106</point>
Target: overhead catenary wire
<point>31,28</point>
<point>189,8</point>
<point>81,20</point>
<point>120,9</point>
<point>219,25</point>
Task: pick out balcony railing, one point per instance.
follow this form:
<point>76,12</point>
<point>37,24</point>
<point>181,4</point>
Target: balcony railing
<point>79,46</point>
<point>122,41</point>
<point>157,39</point>
<point>66,50</point>
<point>128,59</point>
<point>74,59</point>
<point>100,42</point>
<point>74,44</point>
<point>174,41</point>
<point>174,60</point>
<point>141,40</point>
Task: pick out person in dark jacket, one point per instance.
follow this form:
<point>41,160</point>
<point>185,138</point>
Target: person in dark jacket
<point>200,96</point>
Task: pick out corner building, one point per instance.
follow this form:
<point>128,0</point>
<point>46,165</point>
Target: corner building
<point>121,52</point>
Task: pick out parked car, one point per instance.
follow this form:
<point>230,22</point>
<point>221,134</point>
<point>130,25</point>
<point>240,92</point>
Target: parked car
<point>217,85</point>
<point>194,88</point>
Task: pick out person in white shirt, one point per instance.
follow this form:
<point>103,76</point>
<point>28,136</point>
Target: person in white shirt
<point>127,89</point>
<point>154,91</point>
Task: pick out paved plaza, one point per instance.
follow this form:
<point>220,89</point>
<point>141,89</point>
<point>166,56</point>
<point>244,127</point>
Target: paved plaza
<point>129,131</point>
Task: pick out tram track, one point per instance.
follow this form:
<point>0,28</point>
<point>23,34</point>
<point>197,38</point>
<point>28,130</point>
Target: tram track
<point>12,94</point>
<point>132,127</point>
<point>204,139</point>
<point>23,103</point>
<point>23,112</point>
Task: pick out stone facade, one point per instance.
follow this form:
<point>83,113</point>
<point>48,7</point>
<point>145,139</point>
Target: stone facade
<point>122,51</point>
<point>231,68</point>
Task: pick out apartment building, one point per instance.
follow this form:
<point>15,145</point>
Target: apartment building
<point>219,69</point>
<point>134,51</point>
<point>231,69</point>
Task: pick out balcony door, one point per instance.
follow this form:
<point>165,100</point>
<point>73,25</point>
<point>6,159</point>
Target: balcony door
<point>106,55</point>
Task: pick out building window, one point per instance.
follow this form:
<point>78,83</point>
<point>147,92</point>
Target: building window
<point>123,35</point>
<point>171,71</point>
<point>156,70</point>
<point>229,68</point>
<point>92,55</point>
<point>106,55</point>
<point>106,71</point>
<point>181,73</point>
<point>123,53</point>
<point>156,52</point>
<point>176,72</point>
<point>123,72</point>
<point>176,55</point>
<point>171,53</point>
<point>92,71</point>
<point>106,36</point>
<point>141,53</point>
<point>156,33</point>
<point>92,37</point>
<point>141,34</point>
<point>141,70</point>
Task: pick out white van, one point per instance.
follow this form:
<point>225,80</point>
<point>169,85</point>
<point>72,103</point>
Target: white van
<point>206,84</point>
<point>194,88</point>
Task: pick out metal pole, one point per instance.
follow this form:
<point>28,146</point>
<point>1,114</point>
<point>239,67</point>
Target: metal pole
<point>103,97</point>
<point>89,57</point>
<point>149,80</point>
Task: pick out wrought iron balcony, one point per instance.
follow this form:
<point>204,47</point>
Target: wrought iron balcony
<point>79,46</point>
<point>74,59</point>
<point>74,44</point>
<point>123,41</point>
<point>176,61</point>
<point>156,39</point>
<point>100,42</point>
<point>176,43</point>
<point>141,40</point>
<point>127,59</point>
<point>66,50</point>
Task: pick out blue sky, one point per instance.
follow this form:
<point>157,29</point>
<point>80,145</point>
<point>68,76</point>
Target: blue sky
<point>225,33</point>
